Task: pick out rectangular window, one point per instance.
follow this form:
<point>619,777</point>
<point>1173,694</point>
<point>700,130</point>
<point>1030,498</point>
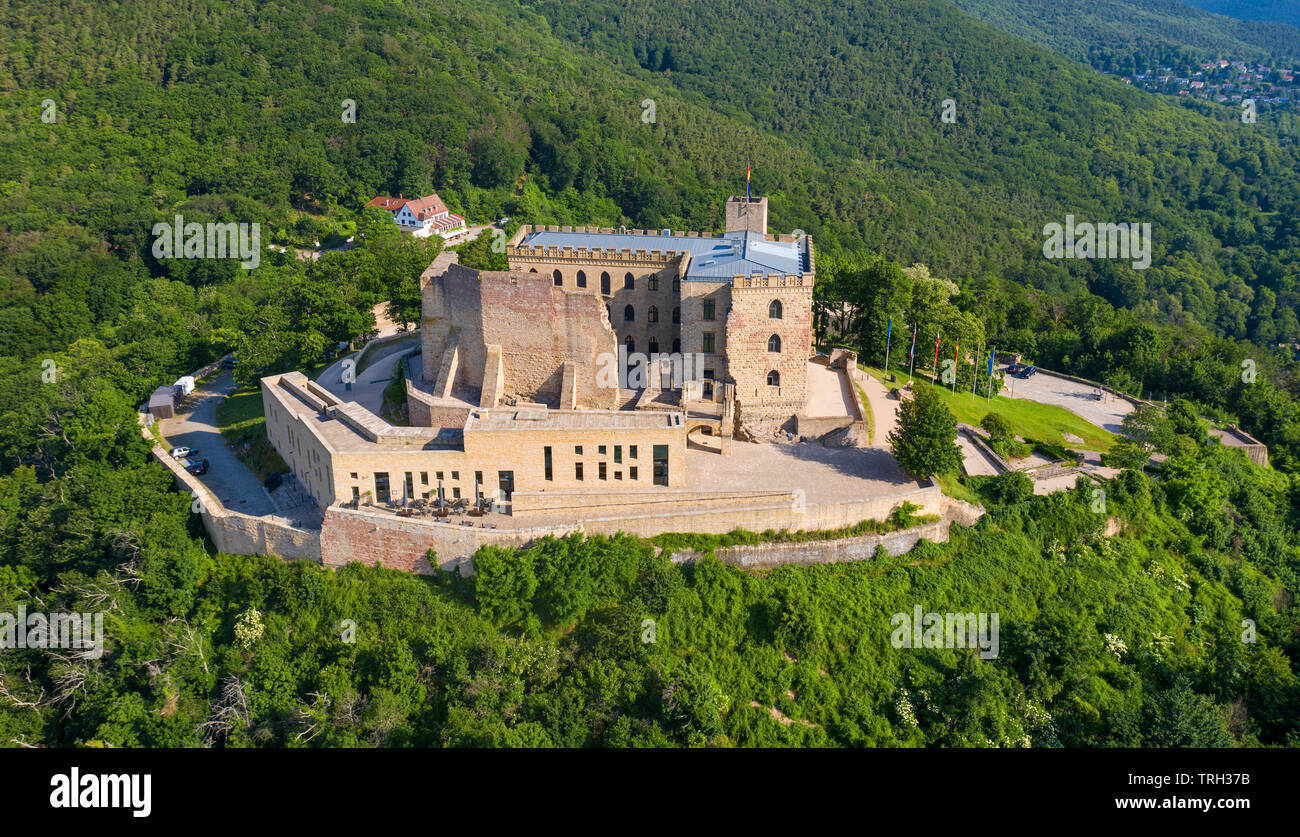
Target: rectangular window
<point>618,454</point>
<point>631,452</point>
<point>455,475</point>
<point>601,450</point>
<point>660,464</point>
<point>455,493</point>
<point>546,461</point>
<point>439,476</point>
<point>709,306</point>
<point>353,475</point>
<point>577,471</point>
<point>381,486</point>
<point>707,348</point>
<point>577,450</point>
<point>410,486</point>
<point>602,473</point>
<point>618,475</point>
<point>424,478</point>
<point>631,473</point>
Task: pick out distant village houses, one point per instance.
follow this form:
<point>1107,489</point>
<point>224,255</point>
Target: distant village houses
<point>421,217</point>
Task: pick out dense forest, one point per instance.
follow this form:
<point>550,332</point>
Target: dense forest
<point>120,117</point>
<point>1083,28</point>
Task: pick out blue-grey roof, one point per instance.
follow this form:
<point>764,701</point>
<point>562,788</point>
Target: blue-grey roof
<point>712,257</point>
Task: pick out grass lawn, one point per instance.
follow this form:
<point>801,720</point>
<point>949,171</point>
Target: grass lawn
<point>1033,421</point>
<point>241,422</point>
<point>870,416</point>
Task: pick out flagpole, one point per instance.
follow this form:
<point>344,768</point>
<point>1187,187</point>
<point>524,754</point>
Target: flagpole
<point>975,372</point>
<point>911,354</point>
<point>988,398</point>
<point>956,350</point>
<point>938,335</point>
<point>889,333</point>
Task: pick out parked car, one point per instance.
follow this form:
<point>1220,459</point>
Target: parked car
<point>198,467</point>
<point>1025,371</point>
<point>183,452</point>
<point>1014,369</point>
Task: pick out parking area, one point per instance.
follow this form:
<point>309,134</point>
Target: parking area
<point>195,426</point>
<point>1087,402</point>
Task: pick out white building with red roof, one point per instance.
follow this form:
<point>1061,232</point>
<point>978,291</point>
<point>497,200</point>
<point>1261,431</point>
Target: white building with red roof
<point>421,216</point>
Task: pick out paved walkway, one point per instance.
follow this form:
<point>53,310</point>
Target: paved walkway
<point>828,392</point>
<point>883,409</point>
<point>975,462</point>
<point>235,485</point>
<point>368,389</point>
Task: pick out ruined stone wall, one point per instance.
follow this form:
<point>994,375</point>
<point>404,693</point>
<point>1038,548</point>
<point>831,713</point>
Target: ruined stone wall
<point>538,326</point>
<point>812,553</point>
<point>653,296</point>
<point>451,314</point>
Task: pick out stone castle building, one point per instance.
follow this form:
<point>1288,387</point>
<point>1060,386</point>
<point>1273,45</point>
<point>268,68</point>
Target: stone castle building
<point>739,303</point>
<point>519,398</point>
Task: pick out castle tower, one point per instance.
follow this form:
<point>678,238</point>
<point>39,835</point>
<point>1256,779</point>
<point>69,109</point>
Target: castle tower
<point>745,213</point>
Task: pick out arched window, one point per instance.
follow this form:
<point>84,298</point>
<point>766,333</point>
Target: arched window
<point>677,345</point>
<point>774,378</point>
<point>559,279</point>
<point>774,309</point>
<point>532,270</point>
<point>654,346</point>
<point>774,343</point>
<point>677,315</point>
<point>652,316</point>
<point>629,315</point>
<point>604,282</point>
<point>654,283</point>
<point>582,279</point>
<point>629,282</point>
<point>630,343</point>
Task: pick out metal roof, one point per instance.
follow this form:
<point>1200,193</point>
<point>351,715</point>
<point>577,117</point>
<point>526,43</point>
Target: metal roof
<point>712,257</point>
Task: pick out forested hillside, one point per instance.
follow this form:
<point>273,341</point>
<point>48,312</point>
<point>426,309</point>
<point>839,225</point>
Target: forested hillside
<point>643,113</point>
<point>1084,29</point>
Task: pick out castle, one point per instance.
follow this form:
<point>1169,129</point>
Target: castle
<point>519,398</point>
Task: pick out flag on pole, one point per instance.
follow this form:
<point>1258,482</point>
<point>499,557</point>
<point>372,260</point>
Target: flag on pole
<point>938,334</point>
<point>911,354</point>
<point>989,396</point>
<point>889,336</point>
<point>748,171</point>
<point>955,351</point>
